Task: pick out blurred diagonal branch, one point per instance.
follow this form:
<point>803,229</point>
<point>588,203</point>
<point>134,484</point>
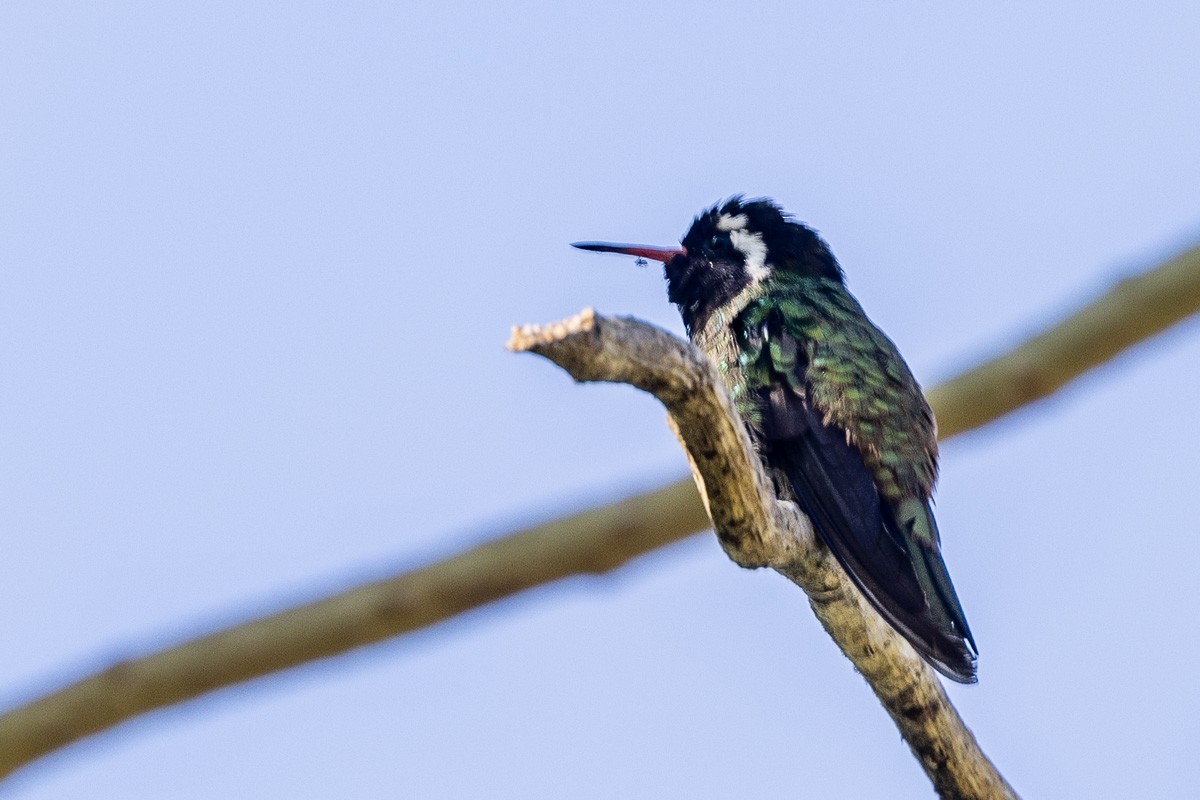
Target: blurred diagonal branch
<point>590,542</point>
<point>1134,310</point>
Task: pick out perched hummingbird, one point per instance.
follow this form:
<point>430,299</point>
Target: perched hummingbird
<point>835,413</point>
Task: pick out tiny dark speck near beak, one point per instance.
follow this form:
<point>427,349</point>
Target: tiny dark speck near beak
<point>641,262</point>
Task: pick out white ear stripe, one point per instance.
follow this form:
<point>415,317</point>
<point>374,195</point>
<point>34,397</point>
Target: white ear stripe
<point>728,222</point>
<point>754,250</point>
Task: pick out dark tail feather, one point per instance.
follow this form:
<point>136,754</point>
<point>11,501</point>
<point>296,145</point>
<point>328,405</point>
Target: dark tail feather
<point>933,575</point>
<point>938,631</point>
<point>952,651</point>
<point>904,580</point>
<point>923,542</point>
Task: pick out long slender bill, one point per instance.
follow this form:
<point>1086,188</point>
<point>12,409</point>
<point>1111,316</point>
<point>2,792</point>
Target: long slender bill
<point>663,254</point>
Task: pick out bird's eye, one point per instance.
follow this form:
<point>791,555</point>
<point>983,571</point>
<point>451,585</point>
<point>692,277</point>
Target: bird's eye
<point>719,245</point>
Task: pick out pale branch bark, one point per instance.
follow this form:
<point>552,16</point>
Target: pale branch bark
<point>757,530</point>
<point>589,542</point>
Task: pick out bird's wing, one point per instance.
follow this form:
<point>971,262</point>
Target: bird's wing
<point>838,492</point>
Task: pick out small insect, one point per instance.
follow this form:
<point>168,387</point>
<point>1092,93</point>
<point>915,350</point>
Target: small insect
<point>641,262</point>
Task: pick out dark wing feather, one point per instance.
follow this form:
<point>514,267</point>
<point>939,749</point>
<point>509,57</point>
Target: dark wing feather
<point>837,491</point>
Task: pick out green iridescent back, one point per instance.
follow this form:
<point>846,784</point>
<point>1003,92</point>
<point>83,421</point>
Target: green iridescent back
<point>851,372</point>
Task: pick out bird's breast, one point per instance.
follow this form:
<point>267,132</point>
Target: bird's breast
<point>719,340</point>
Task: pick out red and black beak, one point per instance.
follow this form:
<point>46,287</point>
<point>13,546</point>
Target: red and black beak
<point>663,254</point>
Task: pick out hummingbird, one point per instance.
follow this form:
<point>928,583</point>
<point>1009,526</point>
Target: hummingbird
<point>833,410</point>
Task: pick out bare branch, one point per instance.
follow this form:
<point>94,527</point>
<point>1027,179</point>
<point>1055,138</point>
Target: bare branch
<point>758,530</point>
<point>590,542</point>
<point>625,350</point>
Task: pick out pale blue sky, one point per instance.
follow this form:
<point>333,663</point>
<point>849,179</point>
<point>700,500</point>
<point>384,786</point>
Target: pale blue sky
<point>258,265</point>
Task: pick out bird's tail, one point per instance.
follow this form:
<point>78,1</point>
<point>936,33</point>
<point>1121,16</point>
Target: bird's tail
<point>955,649</point>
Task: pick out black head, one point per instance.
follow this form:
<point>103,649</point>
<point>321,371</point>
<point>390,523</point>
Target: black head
<point>730,246</point>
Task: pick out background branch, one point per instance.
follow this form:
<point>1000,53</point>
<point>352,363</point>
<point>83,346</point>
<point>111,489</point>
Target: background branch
<point>589,542</point>
<point>1134,310</point>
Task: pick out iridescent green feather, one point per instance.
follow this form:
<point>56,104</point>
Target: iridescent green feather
<point>854,376</point>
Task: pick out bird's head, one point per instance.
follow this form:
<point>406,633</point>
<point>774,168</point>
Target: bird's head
<point>729,247</point>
